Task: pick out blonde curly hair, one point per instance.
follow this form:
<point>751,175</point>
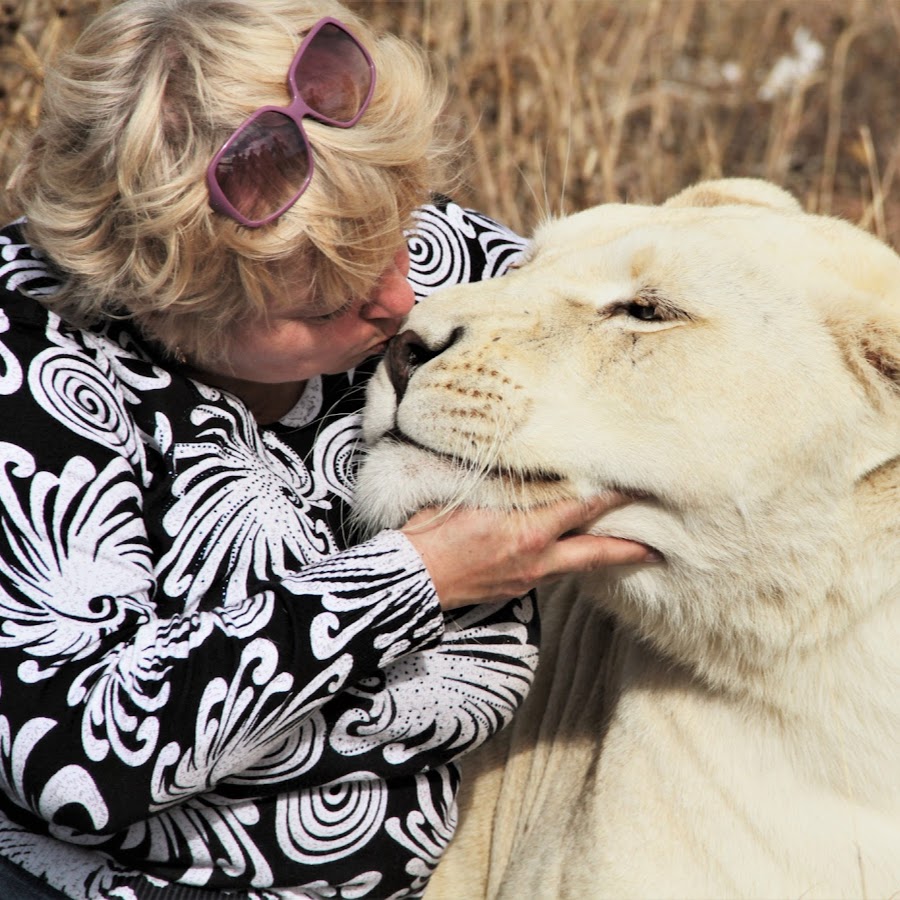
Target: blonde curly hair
<point>114,189</point>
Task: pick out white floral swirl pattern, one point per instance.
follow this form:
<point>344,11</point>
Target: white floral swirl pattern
<point>73,870</point>
<point>235,722</point>
<point>436,253</point>
<point>296,755</point>
<point>426,830</point>
<point>334,456</point>
<point>81,519</point>
<point>134,374</point>
<point>500,246</point>
<point>453,697</point>
<point>24,267</point>
<point>120,702</point>
<point>203,823</point>
<point>244,504</point>
<point>81,396</point>
<point>123,691</point>
<point>442,242</point>
<point>69,785</point>
<point>10,370</point>
<point>327,823</point>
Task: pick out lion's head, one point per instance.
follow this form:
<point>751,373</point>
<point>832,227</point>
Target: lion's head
<point>726,359</point>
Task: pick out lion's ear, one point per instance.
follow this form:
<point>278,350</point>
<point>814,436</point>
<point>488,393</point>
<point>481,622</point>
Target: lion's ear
<point>882,351</point>
<point>736,192</point>
<point>872,352</point>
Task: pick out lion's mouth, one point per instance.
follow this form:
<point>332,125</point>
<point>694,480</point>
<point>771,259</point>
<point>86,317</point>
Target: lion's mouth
<point>519,488</point>
<point>496,472</point>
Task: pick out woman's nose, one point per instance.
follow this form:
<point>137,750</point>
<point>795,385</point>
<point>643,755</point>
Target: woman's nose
<point>393,296</point>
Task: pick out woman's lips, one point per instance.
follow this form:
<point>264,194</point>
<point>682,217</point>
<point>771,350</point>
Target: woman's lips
<point>381,346</point>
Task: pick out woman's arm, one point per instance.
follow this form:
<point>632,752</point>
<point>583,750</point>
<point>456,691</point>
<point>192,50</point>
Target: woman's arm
<point>124,688</point>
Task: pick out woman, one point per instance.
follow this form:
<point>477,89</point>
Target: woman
<point>205,690</point>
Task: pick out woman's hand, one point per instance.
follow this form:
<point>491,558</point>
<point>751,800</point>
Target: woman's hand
<point>480,555</point>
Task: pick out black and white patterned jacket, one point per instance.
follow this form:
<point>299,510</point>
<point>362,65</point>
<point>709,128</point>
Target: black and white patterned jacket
<point>203,683</point>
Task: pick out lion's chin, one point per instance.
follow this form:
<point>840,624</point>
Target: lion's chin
<point>400,477</point>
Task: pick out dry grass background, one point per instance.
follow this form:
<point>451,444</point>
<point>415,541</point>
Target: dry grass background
<point>573,102</point>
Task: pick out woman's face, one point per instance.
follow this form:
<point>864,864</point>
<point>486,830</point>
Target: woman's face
<point>291,348</point>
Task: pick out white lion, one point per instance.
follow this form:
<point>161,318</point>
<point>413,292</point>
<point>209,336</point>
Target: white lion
<point>725,723</point>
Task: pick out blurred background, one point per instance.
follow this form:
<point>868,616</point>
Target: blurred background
<point>568,103</point>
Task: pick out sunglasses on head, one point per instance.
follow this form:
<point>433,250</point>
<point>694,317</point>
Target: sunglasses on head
<point>267,163</point>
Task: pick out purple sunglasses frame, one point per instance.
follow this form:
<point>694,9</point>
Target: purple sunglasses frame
<point>296,110</point>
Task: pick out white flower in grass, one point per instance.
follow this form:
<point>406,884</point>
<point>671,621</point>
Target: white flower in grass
<point>794,70</point>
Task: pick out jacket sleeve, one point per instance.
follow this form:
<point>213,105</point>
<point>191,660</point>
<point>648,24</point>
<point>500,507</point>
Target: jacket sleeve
<point>119,698</point>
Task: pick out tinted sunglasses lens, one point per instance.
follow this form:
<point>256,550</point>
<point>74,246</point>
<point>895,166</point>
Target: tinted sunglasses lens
<point>333,76</point>
<point>265,167</point>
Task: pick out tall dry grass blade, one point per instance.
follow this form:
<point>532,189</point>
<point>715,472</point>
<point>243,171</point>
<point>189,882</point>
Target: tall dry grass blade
<point>835,108</point>
<point>874,212</point>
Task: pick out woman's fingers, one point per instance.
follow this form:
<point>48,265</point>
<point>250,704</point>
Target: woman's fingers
<point>479,555</point>
<point>589,553</point>
<point>572,515</point>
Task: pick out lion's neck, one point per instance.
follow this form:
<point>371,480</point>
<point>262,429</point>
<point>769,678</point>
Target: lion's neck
<point>796,624</point>
<point>775,785</point>
<point>826,701</point>
<point>616,734</point>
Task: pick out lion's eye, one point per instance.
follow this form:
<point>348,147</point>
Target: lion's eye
<point>647,306</point>
<point>644,310</point>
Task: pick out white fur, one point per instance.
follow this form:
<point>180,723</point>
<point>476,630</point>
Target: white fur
<point>726,723</point>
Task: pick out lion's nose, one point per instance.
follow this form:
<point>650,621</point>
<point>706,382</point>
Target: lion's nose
<point>408,351</point>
